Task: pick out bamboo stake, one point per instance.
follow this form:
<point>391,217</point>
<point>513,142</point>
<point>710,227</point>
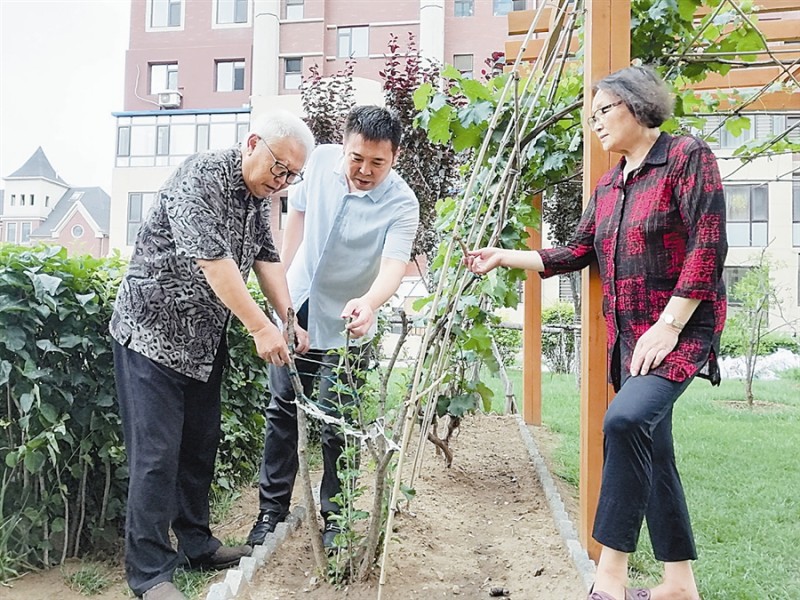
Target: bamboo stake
<point>320,560</point>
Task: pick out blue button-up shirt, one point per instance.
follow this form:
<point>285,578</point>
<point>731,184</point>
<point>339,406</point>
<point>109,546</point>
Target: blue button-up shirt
<point>345,237</point>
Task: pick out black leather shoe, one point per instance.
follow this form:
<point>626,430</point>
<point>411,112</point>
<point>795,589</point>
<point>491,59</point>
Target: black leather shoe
<point>266,523</point>
<point>329,535</point>
<point>224,558</point>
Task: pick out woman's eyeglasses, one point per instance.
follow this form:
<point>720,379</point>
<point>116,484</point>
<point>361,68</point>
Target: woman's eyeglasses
<point>603,110</point>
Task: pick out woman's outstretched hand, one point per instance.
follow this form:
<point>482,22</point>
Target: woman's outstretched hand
<point>483,260</point>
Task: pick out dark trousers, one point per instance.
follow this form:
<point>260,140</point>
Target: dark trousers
<point>171,425</point>
<point>640,478</point>
<point>279,465</point>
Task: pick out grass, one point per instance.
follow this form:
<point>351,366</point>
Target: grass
<point>740,471</point>
<point>89,580</point>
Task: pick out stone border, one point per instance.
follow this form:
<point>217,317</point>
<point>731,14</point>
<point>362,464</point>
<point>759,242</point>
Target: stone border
<point>238,580</point>
<point>580,558</point>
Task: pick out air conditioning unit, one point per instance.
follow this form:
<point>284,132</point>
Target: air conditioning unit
<point>169,99</point>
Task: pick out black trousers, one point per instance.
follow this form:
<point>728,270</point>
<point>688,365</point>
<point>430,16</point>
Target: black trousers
<point>171,425</point>
<point>279,465</point>
<point>640,479</point>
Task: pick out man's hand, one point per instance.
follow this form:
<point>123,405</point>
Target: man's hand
<point>302,342</point>
<point>271,346</point>
<point>653,347</point>
<point>362,315</point>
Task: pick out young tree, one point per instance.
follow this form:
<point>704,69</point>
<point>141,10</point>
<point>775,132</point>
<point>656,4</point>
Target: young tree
<point>755,294</point>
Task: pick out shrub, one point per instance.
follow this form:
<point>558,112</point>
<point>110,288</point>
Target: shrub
<point>509,343</point>
<point>64,477</point>
<point>559,348</point>
<point>64,465</point>
<point>734,340</point>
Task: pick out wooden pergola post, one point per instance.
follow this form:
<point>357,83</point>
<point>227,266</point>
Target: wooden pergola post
<point>532,332</point>
<point>607,49</point>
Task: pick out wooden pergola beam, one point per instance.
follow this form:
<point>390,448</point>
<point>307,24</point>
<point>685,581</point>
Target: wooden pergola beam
<point>519,21</point>
<point>533,49</point>
<point>753,77</point>
<point>532,331</point>
<point>761,7</point>
<point>768,102</point>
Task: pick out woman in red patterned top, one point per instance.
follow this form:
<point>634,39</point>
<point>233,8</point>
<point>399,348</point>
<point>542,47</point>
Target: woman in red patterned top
<point>655,225</point>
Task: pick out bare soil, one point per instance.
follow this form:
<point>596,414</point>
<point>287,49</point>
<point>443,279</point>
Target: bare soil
<point>481,524</point>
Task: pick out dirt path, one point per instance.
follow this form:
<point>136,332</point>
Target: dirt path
<point>482,523</point>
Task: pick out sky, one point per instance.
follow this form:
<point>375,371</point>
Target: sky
<point>62,66</point>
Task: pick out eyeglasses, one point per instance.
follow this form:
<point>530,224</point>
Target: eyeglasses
<point>603,110</point>
<point>280,170</point>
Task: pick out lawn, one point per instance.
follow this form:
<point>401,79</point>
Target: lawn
<point>742,478</point>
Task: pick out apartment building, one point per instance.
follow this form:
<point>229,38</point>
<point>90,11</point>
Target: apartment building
<point>197,71</point>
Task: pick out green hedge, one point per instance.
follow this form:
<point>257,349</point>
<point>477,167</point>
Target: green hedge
<point>64,478</point>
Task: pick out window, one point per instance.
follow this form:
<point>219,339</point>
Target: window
<point>124,141</point>
<point>13,199</point>
<point>139,204</point>
<point>728,140</point>
<point>242,129</point>
<point>731,276</point>
<point>793,126</point>
<point>796,212</point>
<point>283,213</point>
<point>32,199</point>
<point>165,13</point>
<point>293,73</point>
<point>22,199</point>
<point>747,214</point>
<point>503,7</point>
<point>353,41</point>
<point>565,288</point>
<point>202,138</point>
<point>167,139</point>
<point>11,232</point>
<point>465,8</point>
<point>230,75</point>
<point>46,201</point>
<point>162,140</point>
<point>25,233</point>
<point>294,10</point>
<point>798,280</point>
<point>77,232</point>
<point>232,11</point>
<point>163,78</point>
<point>463,62</point>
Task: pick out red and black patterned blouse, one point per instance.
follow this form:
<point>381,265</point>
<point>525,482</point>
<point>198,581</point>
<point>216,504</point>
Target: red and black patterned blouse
<point>658,235</point>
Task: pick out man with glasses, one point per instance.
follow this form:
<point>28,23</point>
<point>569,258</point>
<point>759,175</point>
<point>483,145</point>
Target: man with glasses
<point>348,239</point>
<point>209,226</point>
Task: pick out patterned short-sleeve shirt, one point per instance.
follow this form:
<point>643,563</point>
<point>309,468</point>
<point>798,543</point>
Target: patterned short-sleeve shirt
<point>165,308</point>
<point>659,234</point>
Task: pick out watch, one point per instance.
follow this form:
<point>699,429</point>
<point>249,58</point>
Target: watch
<point>670,320</point>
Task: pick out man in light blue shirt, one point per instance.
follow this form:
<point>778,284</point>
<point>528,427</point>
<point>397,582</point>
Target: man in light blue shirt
<point>348,239</point>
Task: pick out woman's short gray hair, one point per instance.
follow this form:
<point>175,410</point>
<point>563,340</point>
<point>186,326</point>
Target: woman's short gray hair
<point>276,124</point>
<point>643,92</point>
